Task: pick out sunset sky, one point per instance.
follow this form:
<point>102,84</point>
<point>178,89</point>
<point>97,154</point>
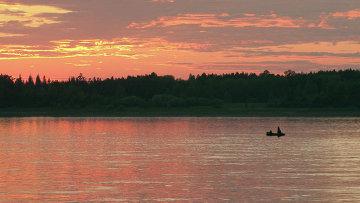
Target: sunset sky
<point>103,38</point>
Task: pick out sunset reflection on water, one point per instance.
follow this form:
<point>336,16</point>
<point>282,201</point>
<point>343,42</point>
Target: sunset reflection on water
<point>179,159</point>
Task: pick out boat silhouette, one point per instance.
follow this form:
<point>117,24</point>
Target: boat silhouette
<point>275,134</point>
<point>278,133</point>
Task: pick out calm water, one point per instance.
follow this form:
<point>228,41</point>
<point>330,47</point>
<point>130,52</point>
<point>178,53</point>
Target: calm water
<point>179,159</point>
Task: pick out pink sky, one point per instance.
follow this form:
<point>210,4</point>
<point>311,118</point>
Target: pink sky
<point>130,37</point>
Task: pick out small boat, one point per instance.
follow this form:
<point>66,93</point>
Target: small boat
<point>278,133</point>
<point>275,134</point>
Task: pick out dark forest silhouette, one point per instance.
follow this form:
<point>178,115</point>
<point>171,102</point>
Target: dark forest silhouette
<point>313,90</point>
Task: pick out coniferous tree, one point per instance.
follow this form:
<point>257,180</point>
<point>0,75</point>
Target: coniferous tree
<point>38,81</point>
<point>30,82</point>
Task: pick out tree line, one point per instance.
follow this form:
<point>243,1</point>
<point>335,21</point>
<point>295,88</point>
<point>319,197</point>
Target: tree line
<point>312,90</point>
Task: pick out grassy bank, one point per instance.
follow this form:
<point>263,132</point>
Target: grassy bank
<point>229,110</point>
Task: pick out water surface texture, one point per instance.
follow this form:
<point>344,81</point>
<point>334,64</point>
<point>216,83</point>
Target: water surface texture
<point>179,159</point>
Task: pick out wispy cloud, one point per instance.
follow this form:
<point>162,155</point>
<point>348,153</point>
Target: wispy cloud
<point>2,34</point>
<point>350,15</point>
<point>29,15</point>
<point>225,20</point>
<point>132,48</point>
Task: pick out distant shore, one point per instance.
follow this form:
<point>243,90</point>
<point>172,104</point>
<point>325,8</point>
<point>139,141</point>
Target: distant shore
<point>231,110</point>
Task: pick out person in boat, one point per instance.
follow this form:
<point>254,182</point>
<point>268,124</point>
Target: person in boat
<point>279,131</point>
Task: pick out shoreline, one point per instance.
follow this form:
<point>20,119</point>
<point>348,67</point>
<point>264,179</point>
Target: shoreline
<point>226,111</point>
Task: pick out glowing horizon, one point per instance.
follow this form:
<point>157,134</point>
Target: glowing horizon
<point>119,38</point>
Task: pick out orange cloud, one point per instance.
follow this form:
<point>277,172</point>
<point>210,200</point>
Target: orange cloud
<point>68,48</point>
<point>342,47</point>
<point>119,47</point>
<point>350,15</point>
<point>2,34</point>
<point>225,20</point>
<point>29,15</point>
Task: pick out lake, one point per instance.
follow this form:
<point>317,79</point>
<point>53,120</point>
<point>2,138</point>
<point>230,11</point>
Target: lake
<point>179,159</point>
